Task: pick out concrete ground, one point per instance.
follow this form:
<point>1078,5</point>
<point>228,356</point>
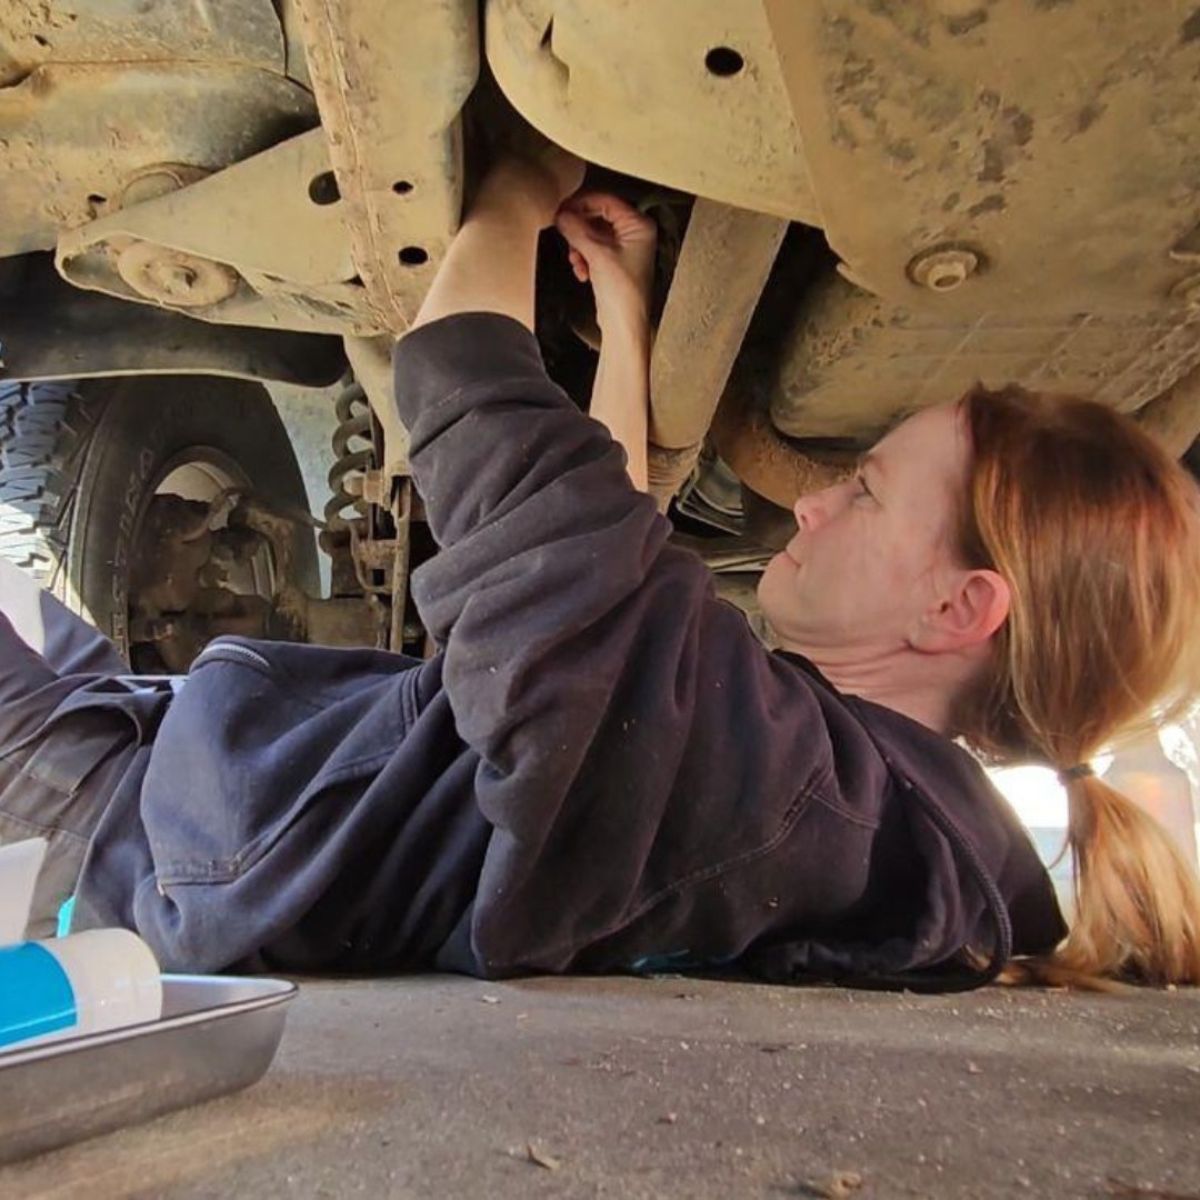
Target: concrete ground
<point>446,1087</point>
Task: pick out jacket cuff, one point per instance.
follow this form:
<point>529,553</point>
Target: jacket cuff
<point>456,352</point>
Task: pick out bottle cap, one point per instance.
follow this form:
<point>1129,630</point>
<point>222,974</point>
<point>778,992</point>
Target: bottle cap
<point>114,976</point>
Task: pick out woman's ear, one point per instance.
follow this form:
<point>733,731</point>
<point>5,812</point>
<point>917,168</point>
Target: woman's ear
<point>966,613</point>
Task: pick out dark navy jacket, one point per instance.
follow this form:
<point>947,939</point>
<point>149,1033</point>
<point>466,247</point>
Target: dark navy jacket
<point>602,768</point>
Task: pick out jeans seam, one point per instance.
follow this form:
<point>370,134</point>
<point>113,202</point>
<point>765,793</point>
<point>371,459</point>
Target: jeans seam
<point>39,828</point>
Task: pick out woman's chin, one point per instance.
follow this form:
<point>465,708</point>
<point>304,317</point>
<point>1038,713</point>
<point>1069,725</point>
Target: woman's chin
<point>774,590</point>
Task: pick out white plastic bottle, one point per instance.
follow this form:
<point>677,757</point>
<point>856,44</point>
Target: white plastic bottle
<point>86,983</point>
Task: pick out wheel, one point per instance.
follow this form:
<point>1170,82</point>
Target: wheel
<point>80,465</point>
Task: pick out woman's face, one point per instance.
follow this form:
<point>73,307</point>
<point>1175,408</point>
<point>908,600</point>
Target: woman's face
<point>869,555</point>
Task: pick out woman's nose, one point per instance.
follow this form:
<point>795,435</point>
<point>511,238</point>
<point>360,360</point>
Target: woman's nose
<point>815,508</point>
<point>811,511</point>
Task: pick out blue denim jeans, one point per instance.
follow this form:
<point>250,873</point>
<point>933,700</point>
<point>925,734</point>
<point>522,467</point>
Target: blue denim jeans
<point>63,735</point>
<point>292,806</point>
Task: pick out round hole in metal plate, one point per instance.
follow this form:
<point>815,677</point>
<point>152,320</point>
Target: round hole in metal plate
<point>323,188</point>
<point>414,256</point>
<point>402,187</point>
<point>724,61</point>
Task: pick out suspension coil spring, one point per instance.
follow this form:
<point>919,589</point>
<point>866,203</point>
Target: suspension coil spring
<point>354,455</point>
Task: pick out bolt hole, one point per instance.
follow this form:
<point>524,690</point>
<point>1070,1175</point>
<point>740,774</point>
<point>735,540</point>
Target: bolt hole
<point>323,189</point>
<point>945,280</point>
<point>723,61</point>
<point>414,256</point>
<point>41,41</point>
<point>95,199</point>
<point>402,187</point>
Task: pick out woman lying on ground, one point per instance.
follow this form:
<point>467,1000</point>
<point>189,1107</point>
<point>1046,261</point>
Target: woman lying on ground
<point>602,769</point>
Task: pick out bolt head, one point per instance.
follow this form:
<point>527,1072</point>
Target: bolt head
<point>943,268</point>
<point>174,277</point>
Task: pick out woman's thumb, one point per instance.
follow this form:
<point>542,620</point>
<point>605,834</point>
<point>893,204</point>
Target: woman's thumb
<point>575,229</point>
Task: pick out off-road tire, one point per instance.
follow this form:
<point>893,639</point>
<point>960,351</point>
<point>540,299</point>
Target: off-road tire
<point>80,463</point>
<point>43,429</point>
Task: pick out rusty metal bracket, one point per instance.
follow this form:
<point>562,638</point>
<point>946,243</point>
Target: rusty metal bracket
<point>753,449</point>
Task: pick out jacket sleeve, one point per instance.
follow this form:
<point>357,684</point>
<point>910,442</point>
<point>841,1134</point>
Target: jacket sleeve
<point>593,669</point>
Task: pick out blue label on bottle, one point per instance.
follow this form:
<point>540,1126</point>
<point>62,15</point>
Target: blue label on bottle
<point>35,994</point>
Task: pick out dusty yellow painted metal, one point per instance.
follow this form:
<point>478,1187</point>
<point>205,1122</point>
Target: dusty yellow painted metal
<point>71,135</point>
<point>390,78</point>
<point>285,255</point>
<point>995,191</point>
<point>1174,417</point>
<point>1056,140</point>
<point>848,359</point>
<point>726,257</point>
<point>1011,189</point>
<point>34,33</point>
<point>684,92</point>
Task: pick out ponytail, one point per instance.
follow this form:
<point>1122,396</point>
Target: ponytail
<point>1097,532</point>
<point>1137,899</point>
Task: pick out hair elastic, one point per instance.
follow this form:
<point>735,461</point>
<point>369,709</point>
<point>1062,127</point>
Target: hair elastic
<point>1079,771</point>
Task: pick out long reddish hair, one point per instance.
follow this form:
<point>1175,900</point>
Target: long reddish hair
<point>1096,530</point>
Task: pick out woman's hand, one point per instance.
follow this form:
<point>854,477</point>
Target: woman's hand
<point>490,263</point>
<point>530,185</point>
<point>612,245</point>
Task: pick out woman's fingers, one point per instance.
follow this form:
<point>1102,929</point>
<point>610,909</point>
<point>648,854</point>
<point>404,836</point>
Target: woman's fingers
<point>587,236</point>
<point>581,241</point>
<point>610,215</point>
<point>601,204</point>
<point>578,264</point>
<point>611,245</point>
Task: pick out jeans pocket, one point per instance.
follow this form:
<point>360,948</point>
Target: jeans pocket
<point>45,792</point>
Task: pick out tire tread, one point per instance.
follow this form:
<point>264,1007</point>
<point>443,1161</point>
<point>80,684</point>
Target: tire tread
<point>44,428</point>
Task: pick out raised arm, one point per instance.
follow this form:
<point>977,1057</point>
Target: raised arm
<point>612,246</point>
<point>490,264</point>
<point>586,660</point>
